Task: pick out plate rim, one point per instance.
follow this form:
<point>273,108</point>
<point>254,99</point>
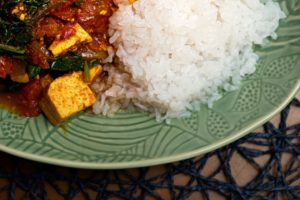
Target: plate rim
<point>161,160</point>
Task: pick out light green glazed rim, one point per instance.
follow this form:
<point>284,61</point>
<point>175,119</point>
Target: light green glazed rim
<point>157,161</point>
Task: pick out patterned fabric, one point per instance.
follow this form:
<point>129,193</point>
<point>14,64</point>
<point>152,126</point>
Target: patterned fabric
<point>271,156</point>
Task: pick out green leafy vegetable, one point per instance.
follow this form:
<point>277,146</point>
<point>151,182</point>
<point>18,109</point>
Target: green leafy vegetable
<point>12,49</point>
<point>34,5</point>
<point>68,62</point>
<point>86,72</point>
<point>73,62</point>
<point>14,32</point>
<point>33,71</point>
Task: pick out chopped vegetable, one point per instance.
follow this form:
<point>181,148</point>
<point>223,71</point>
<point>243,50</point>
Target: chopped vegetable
<point>50,53</point>
<point>86,71</point>
<point>11,49</point>
<point>33,71</point>
<point>68,62</point>
<point>16,32</point>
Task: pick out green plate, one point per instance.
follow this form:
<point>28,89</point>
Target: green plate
<point>131,139</point>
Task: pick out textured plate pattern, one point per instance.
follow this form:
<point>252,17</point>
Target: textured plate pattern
<point>134,139</point>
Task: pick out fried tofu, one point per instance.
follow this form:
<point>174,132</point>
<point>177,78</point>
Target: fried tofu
<point>61,46</point>
<point>66,96</point>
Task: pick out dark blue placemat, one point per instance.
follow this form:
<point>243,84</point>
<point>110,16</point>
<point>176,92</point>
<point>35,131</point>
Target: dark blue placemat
<point>274,179</point>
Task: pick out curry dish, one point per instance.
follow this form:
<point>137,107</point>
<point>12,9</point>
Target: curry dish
<point>50,52</point>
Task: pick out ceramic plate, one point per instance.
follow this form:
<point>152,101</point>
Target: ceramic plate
<point>133,139</point>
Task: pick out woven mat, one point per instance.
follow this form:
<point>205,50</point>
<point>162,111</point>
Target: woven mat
<point>263,165</point>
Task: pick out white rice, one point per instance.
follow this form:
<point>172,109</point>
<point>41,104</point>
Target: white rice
<point>175,54</point>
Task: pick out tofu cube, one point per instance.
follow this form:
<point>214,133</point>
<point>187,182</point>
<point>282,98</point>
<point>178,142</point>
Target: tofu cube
<point>61,46</point>
<point>66,96</point>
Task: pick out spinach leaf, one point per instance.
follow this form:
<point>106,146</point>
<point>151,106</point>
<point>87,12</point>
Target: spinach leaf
<point>14,32</point>
<point>12,49</point>
<point>67,62</point>
<point>72,62</point>
<point>32,6</point>
<point>33,71</point>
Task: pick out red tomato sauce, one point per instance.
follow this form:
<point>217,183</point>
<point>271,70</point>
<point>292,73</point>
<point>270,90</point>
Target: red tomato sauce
<point>55,23</point>
<point>25,101</point>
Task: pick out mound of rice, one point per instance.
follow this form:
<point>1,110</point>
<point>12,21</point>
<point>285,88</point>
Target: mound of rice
<point>174,54</point>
